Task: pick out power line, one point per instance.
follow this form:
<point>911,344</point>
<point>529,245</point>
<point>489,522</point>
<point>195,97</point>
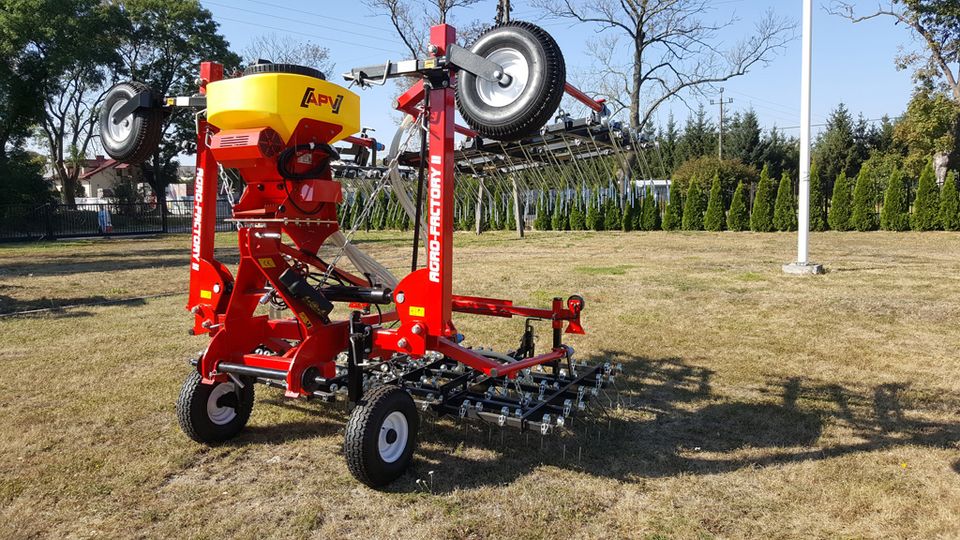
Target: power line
<point>772,105</point>
<point>321,15</point>
<point>288,31</point>
<point>279,17</point>
<point>869,121</point>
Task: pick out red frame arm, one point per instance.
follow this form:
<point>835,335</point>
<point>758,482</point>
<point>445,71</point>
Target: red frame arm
<point>577,94</point>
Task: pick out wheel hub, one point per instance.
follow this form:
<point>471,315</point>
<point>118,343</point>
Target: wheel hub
<point>515,65</point>
<point>218,409</point>
<point>394,434</point>
<point>118,131</point>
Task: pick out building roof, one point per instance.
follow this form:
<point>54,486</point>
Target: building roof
<point>99,165</point>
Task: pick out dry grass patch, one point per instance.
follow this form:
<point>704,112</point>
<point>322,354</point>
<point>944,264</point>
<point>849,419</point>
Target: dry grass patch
<point>754,404</point>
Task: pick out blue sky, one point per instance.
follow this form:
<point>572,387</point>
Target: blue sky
<point>851,63</point>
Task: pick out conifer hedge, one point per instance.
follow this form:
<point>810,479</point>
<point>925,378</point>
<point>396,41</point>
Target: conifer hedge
<point>716,219</point>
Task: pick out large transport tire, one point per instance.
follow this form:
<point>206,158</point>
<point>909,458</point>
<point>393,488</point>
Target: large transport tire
<point>134,138</point>
<point>381,436</point>
<point>213,413</point>
<point>534,61</point>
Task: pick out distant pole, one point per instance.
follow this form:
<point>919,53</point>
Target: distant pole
<point>517,211</point>
<point>721,103</point>
<point>802,264</point>
<point>479,214</point>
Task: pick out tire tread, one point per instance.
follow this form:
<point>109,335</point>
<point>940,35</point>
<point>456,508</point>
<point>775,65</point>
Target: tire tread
<point>360,419</point>
<point>148,138</point>
<point>531,122</point>
<point>200,432</point>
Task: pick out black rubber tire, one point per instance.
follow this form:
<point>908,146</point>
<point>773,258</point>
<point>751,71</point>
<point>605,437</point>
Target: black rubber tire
<point>360,445</point>
<point>270,67</point>
<point>146,126</point>
<point>539,100</point>
<point>192,411</point>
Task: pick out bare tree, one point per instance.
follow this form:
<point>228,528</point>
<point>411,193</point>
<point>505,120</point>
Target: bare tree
<point>669,49</point>
<point>412,22</point>
<point>503,11</point>
<point>286,50</point>
<point>70,124</point>
<point>935,22</point>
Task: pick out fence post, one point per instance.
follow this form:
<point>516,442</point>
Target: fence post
<point>47,210</point>
<point>163,214</point>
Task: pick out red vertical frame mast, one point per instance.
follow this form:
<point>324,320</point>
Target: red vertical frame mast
<point>441,184</point>
<point>207,276</point>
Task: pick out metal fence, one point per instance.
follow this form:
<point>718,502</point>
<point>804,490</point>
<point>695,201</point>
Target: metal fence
<point>22,222</point>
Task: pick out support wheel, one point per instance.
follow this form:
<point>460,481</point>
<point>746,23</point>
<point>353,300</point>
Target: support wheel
<point>532,59</point>
<point>134,138</point>
<point>213,413</point>
<point>381,436</point>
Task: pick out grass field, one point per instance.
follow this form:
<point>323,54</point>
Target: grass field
<point>754,404</point>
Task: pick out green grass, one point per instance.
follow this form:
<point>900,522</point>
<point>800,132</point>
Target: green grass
<point>754,404</point>
<point>618,270</point>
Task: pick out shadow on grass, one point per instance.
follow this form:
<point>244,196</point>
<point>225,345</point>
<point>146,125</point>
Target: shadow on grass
<point>276,434</point>
<point>108,262</point>
<point>327,420</point>
<point>673,424</point>
<point>56,307</point>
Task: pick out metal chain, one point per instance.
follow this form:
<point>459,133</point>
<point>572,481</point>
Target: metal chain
<point>368,206</point>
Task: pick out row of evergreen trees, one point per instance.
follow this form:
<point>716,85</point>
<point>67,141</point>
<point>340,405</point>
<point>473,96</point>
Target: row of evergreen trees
<point>773,207</point>
<point>853,205</point>
<point>764,207</point>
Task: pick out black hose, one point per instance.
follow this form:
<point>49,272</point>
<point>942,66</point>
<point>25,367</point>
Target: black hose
<point>316,171</point>
<point>423,161</point>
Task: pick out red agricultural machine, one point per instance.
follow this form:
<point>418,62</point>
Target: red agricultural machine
<point>395,350</point>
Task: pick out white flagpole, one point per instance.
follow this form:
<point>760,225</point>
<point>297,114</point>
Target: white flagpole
<point>802,264</point>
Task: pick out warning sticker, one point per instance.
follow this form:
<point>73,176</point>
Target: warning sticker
<point>416,311</point>
<point>267,262</point>
<point>206,294</point>
<point>306,320</point>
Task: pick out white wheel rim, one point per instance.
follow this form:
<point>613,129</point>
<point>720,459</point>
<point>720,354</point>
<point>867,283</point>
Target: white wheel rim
<point>515,65</point>
<point>217,414</point>
<point>395,429</point>
<point>119,131</point>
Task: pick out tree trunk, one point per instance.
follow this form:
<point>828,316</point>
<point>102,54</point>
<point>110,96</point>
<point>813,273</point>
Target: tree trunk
<point>158,184</point>
<point>631,157</point>
<point>68,184</point>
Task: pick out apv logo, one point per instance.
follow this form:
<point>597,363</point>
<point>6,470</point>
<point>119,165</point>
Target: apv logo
<point>433,229</point>
<point>197,219</point>
<point>311,97</point>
